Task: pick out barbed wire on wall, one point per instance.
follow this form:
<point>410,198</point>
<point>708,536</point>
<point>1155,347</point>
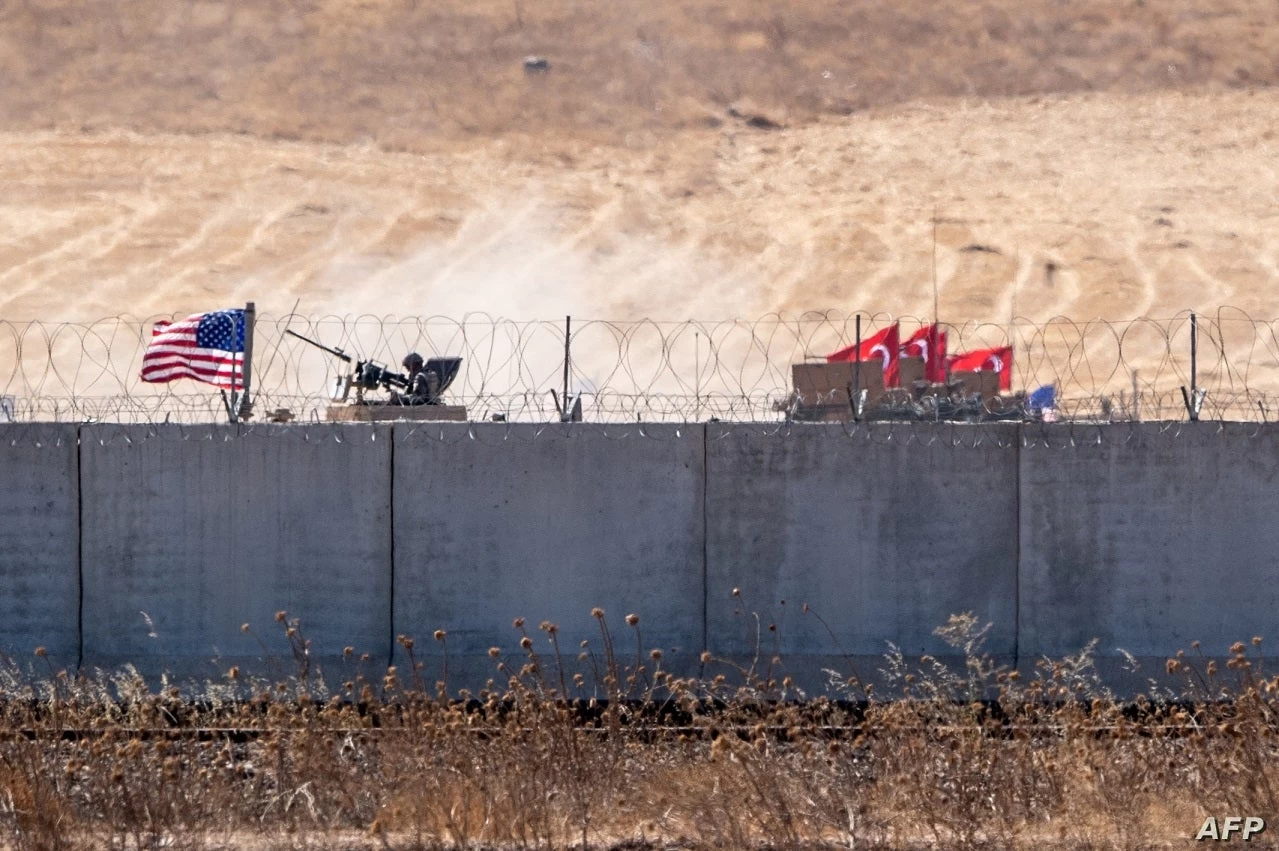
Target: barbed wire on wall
<point>647,370</point>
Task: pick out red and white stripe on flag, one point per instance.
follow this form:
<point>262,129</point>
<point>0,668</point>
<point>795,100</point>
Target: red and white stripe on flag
<point>175,352</point>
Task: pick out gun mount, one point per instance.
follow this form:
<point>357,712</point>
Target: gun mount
<point>369,375</point>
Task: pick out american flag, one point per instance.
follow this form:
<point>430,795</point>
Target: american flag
<point>208,347</point>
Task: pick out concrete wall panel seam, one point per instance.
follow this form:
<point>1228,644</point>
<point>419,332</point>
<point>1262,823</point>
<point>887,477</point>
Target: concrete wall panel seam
<point>79,553</point>
<point>390,534</point>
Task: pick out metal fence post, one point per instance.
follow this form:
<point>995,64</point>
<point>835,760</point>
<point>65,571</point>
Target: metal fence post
<point>857,370</point>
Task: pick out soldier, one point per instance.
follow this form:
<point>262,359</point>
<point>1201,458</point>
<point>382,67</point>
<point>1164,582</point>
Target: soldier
<point>419,390</point>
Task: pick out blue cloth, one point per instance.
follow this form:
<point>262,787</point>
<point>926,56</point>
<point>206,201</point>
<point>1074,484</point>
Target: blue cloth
<point>1042,398</point>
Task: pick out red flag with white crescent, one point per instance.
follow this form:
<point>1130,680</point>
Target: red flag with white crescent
<point>884,346</point>
<point>999,360</point>
<point>928,343</point>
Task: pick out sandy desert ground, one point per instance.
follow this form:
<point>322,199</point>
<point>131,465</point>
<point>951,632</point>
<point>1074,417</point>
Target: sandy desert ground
<point>1110,206</point>
<point>393,157</point>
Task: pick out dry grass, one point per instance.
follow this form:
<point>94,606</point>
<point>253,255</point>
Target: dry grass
<point>950,759</point>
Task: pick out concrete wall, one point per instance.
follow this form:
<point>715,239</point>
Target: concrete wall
<point>884,533</point>
<point>152,545</point>
<point>39,544</point>
<point>1148,538</point>
<point>191,532</point>
<point>495,522</point>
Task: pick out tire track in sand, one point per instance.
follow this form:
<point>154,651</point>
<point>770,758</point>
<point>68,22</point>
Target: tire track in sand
<point>67,259</point>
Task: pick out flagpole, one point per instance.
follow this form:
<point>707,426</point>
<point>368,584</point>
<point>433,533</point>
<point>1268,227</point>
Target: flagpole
<point>1196,399</point>
<point>568,360</point>
<point>857,367</point>
<point>1012,312</point>
<point>229,400</point>
<point>935,311</point>
<point>245,407</point>
<point>936,334</point>
<point>697,376</point>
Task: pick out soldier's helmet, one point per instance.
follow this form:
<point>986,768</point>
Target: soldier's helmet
<point>413,361</point>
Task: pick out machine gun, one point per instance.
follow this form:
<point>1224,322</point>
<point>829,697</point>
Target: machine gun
<point>371,375</point>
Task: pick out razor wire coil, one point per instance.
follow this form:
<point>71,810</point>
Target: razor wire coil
<point>639,371</point>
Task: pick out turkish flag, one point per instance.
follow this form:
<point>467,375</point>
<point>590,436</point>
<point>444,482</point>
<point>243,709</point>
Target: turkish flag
<point>928,343</point>
<point>884,345</point>
<point>998,360</point>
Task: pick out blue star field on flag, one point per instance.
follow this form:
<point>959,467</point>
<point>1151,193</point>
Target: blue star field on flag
<point>216,328</point>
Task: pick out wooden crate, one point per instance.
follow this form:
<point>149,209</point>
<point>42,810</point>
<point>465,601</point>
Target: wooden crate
<point>829,383</point>
<point>986,383</point>
<point>910,370</point>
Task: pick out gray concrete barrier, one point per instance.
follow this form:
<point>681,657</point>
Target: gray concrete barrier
<point>885,533</point>
<point>151,545</point>
<point>39,544</point>
<point>1148,537</point>
<point>495,522</point>
<point>190,532</point>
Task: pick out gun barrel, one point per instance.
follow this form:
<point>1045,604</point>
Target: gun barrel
<point>337,353</point>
